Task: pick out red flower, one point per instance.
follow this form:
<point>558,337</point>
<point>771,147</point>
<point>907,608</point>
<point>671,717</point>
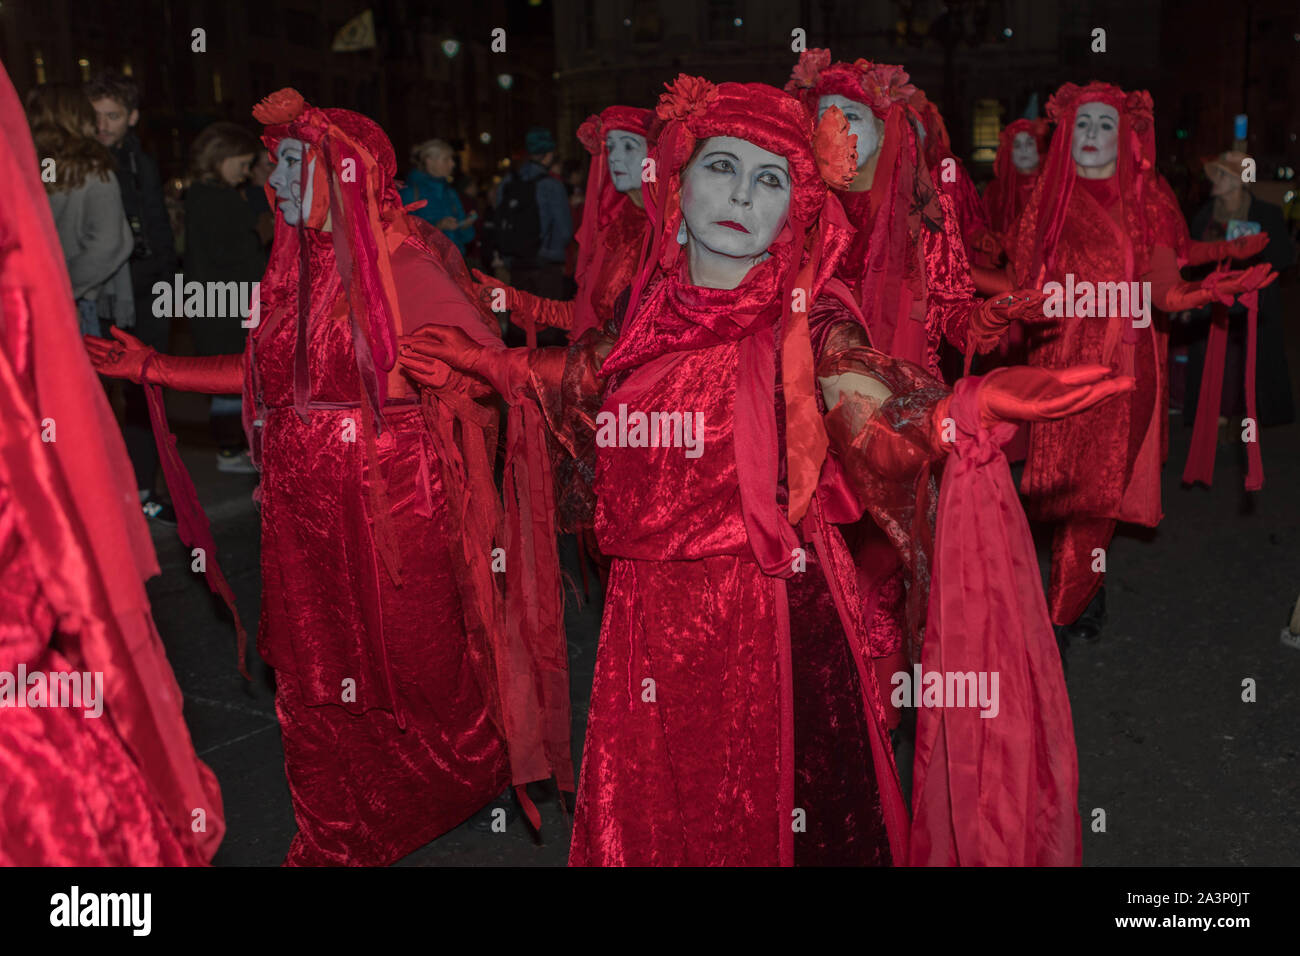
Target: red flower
<point>591,134</point>
<point>887,81</point>
<point>808,70</point>
<point>282,106</point>
<point>686,96</point>
<point>833,145</point>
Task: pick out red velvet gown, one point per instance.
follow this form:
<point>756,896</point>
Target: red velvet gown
<point>701,729</point>
<point>412,753</point>
<point>1102,465</point>
<point>124,787</point>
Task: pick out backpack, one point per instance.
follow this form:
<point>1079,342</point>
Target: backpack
<point>518,221</point>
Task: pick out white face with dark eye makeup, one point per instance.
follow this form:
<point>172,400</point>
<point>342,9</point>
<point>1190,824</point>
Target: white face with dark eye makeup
<point>626,154</point>
<point>1096,135</point>
<point>1024,152</point>
<point>735,197</point>
<point>862,124</point>
<point>286,180</point>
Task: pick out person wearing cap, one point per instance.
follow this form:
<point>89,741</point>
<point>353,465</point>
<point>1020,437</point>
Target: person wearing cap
<point>540,267</point>
<point>1230,213</point>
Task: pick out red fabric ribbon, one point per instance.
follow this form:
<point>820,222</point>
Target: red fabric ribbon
<point>191,522</point>
<point>1205,430</point>
<point>999,790</point>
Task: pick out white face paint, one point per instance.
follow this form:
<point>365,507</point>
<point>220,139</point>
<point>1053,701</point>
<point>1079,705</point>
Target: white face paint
<point>735,197</point>
<point>862,124</point>
<point>626,154</point>
<point>1024,152</point>
<point>1096,135</point>
<point>286,180</point>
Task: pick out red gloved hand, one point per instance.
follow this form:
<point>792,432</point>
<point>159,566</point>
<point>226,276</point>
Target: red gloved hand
<point>547,313</point>
<point>122,356</point>
<point>1225,286</point>
<point>427,354</point>
<point>130,358</point>
<point>1024,393</point>
<point>487,286</point>
<point>989,320</point>
<point>1243,247</point>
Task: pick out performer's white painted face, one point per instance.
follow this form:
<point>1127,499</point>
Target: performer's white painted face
<point>1096,135</point>
<point>862,123</point>
<point>286,180</point>
<point>735,197</point>
<point>1024,152</point>
<point>626,154</point>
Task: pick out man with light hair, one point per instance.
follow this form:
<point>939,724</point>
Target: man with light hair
<point>432,163</point>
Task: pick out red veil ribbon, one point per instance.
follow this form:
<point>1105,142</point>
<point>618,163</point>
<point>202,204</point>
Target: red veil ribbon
<point>602,204</point>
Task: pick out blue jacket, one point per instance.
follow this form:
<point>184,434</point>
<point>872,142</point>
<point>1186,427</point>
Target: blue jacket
<point>443,202</point>
<point>552,211</point>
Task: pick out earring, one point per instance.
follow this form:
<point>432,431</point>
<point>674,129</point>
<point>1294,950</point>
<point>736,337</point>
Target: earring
<point>681,233</point>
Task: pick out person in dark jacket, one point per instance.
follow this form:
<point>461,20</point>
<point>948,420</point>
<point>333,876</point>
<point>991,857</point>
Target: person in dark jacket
<point>116,102</point>
<point>540,269</point>
<point>222,245</point>
<point>1232,211</point>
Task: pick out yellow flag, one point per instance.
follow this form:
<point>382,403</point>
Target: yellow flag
<point>357,34</point>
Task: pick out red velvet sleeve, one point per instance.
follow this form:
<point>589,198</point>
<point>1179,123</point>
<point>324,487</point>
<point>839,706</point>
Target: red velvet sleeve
<point>951,293</point>
<point>567,386</point>
<point>888,451</point>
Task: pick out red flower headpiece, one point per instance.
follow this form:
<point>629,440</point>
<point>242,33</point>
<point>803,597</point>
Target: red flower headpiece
<point>878,85</point>
<point>686,98</point>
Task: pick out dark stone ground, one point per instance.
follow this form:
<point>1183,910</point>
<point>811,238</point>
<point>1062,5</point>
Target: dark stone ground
<point>1186,772</point>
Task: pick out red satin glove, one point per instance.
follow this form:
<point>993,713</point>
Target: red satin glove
<point>989,320</point>
<point>547,313</point>
<point>1025,393</point>
<point>125,356</point>
<point>1243,247</point>
<point>1221,285</point>
<point>427,354</point>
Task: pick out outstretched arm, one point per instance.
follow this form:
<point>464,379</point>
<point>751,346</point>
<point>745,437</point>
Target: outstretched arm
<point>125,356</point>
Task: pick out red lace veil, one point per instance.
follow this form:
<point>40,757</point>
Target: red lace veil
<point>1002,191</point>
<point>1135,167</point>
<point>603,201</point>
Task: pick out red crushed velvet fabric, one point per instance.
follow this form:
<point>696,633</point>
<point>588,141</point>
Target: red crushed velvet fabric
<point>738,733</point>
<point>413,752</point>
<point>120,788</point>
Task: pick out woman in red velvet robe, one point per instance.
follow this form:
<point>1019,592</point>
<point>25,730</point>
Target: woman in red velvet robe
<point>397,684</point>
<point>1014,174</point>
<point>735,718</point>
<point>112,780</point>
<point>1100,213</point>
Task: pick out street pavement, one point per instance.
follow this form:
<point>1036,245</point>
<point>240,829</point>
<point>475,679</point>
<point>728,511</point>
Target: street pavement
<point>1175,768</point>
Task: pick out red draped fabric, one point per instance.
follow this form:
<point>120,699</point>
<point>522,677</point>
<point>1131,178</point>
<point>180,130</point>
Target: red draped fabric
<point>124,787</point>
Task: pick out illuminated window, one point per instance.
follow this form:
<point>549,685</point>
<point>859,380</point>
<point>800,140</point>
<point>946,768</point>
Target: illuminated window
<point>986,123</point>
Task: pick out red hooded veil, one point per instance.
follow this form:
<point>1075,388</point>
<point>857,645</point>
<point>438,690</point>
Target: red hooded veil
<point>612,230</point>
<point>1007,194</point>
